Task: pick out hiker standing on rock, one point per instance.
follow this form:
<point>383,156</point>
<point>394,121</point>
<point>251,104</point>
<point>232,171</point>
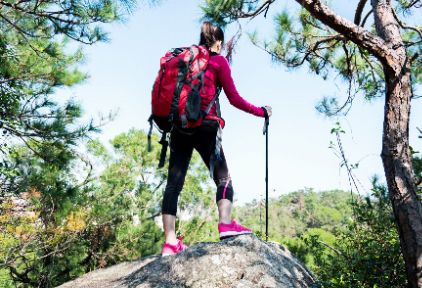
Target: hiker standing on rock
<point>206,139</point>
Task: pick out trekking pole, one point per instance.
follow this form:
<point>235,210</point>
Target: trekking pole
<point>265,131</point>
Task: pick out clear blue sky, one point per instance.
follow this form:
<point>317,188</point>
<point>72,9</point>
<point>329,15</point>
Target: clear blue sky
<point>122,73</point>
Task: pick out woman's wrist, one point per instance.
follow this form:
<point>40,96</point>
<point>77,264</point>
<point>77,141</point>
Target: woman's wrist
<point>265,111</point>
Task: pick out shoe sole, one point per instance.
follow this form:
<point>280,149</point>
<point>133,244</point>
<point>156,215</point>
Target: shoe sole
<point>225,235</point>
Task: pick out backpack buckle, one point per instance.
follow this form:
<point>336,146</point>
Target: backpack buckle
<point>184,120</point>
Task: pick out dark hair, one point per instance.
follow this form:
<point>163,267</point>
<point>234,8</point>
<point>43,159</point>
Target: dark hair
<point>210,33</point>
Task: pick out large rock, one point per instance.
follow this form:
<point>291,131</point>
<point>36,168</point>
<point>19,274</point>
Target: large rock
<point>242,261</point>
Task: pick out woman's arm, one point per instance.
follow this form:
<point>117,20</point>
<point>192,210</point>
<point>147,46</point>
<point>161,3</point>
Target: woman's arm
<point>226,80</point>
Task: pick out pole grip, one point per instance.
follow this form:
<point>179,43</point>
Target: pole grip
<point>267,121</point>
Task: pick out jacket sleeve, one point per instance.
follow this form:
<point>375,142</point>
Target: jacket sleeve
<point>226,80</point>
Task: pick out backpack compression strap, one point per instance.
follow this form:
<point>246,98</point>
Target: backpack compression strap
<point>214,100</point>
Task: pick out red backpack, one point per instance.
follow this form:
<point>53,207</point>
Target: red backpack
<point>175,96</point>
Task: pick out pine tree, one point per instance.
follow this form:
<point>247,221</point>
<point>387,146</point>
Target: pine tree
<point>36,60</point>
<point>378,54</point>
<point>38,136</point>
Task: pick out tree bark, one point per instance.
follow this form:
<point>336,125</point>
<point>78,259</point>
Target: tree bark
<point>399,173</point>
<point>395,145</point>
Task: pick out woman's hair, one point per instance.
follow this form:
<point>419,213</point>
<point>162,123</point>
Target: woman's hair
<point>210,33</point>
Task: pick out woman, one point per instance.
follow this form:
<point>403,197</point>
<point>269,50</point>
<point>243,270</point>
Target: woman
<point>203,139</point>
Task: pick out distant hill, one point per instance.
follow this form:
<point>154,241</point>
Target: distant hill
<point>292,214</point>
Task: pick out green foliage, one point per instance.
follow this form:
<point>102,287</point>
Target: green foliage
<point>45,219</point>
<point>304,39</point>
<point>294,213</point>
<point>128,197</point>
<point>201,228</point>
<point>405,6</point>
<point>131,242</point>
<point>69,227</point>
<point>36,60</point>
<point>46,242</point>
<point>346,240</point>
<point>220,11</point>
<point>131,168</point>
<point>58,218</point>
<point>112,219</point>
<point>309,248</point>
<point>417,167</point>
<point>365,254</point>
<point>5,280</point>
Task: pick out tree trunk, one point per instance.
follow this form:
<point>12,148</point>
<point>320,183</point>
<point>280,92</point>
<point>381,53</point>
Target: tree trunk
<point>395,155</point>
<point>399,174</point>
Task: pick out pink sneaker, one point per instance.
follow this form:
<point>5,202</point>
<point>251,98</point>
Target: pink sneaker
<point>169,249</point>
<point>232,229</point>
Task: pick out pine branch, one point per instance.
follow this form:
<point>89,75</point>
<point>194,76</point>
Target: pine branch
<point>49,15</point>
<point>154,215</point>
<point>317,47</point>
<point>264,7</point>
<point>413,4</point>
<point>418,181</point>
<point>309,51</point>
<point>338,252</point>
<point>67,18</point>
<point>23,277</point>
<point>350,97</point>
<point>372,70</point>
<point>360,36</point>
<point>20,30</point>
<point>359,11</point>
<point>88,177</point>
<point>24,34</point>
<point>404,25</point>
<point>413,58</point>
<point>159,185</point>
<point>366,17</point>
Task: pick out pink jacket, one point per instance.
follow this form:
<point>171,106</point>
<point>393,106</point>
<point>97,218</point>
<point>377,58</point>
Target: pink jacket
<point>218,71</point>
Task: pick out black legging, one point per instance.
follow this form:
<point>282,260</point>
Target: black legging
<point>182,143</point>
